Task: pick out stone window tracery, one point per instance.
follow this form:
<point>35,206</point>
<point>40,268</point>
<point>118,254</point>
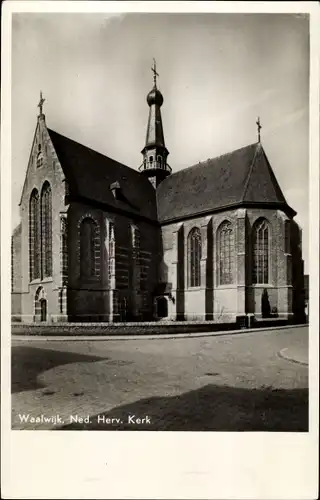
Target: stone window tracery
<point>34,236</point>
<point>225,253</point>
<point>88,244</point>
<point>46,230</point>
<point>260,246</point>
<point>194,257</point>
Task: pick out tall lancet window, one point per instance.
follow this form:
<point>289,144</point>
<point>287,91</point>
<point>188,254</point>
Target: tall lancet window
<point>112,253</point>
<point>135,241</point>
<point>88,243</point>
<point>64,250</point>
<point>194,257</point>
<point>34,239</point>
<point>46,230</point>
<point>260,244</point>
<point>135,237</point>
<point>225,253</point>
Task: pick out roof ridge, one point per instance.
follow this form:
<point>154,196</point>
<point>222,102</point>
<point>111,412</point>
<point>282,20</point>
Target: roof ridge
<point>213,158</point>
<point>250,171</point>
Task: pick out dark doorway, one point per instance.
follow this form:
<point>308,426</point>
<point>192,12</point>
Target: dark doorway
<point>265,304</point>
<point>123,310</point>
<point>162,307</point>
<point>43,305</point>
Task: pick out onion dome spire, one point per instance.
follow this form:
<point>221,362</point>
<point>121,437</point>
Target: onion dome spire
<point>155,152</point>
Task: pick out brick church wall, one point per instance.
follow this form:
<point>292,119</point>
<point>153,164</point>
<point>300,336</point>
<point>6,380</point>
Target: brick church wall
<point>49,171</point>
<point>280,287</point>
<point>225,296</point>
<point>298,294</point>
<point>143,256</point>
<point>209,301</point>
<point>16,274</point>
<point>224,303</point>
<point>255,291</point>
<point>93,300</point>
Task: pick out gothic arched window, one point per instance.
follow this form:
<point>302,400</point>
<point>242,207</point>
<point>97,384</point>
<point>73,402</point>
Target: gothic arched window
<point>88,242</point>
<point>46,230</point>
<point>34,240</point>
<point>194,257</point>
<point>225,253</point>
<point>135,237</point>
<point>112,250</point>
<point>260,246</point>
<point>64,249</point>
<point>136,267</point>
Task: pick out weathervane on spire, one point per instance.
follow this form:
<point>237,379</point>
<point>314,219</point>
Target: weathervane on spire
<point>41,102</point>
<point>154,70</point>
<point>259,128</point>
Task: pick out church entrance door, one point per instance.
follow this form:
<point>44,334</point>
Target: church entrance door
<point>43,305</point>
<point>162,307</point>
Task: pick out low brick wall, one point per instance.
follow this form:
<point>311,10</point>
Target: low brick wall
<point>151,328</point>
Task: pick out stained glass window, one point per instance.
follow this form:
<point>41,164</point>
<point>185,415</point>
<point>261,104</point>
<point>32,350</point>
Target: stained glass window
<point>194,257</point>
<point>46,230</point>
<point>34,240</point>
<point>64,250</point>
<point>87,248</point>
<point>225,250</point>
<point>112,246</point>
<point>260,240</point>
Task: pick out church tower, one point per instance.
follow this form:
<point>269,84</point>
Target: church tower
<point>155,153</point>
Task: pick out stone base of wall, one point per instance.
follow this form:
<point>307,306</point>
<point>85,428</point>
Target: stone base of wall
<point>132,329</point>
<point>59,318</point>
<point>25,319</point>
<point>87,329</point>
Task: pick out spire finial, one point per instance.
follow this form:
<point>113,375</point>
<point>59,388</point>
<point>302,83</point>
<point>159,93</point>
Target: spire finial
<point>259,128</point>
<point>40,105</point>
<point>154,70</point>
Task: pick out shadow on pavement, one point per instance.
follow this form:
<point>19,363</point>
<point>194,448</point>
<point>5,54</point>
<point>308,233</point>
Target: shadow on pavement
<point>212,408</point>
<point>28,362</point>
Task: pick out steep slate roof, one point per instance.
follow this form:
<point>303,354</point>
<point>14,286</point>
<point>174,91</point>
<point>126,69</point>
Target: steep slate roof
<point>242,177</point>
<point>90,175</point>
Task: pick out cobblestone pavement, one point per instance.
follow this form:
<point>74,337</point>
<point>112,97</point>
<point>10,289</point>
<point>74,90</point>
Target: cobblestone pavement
<point>233,382</point>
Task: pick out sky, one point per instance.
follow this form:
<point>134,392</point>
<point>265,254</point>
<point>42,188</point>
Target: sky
<point>218,73</point>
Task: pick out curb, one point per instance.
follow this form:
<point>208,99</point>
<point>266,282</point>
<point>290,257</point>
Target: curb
<point>66,338</point>
<point>287,357</point>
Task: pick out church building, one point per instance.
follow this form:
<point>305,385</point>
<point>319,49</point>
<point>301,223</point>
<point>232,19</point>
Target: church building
<point>99,241</point>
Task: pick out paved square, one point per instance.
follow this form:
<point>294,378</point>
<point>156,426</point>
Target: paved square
<point>229,382</point>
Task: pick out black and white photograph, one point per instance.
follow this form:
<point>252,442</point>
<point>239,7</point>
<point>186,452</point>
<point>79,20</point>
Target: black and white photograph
<point>160,222</point>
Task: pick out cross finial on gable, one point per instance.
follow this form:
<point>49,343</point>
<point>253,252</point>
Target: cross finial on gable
<point>259,128</point>
<point>40,105</point>
<point>154,70</point>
